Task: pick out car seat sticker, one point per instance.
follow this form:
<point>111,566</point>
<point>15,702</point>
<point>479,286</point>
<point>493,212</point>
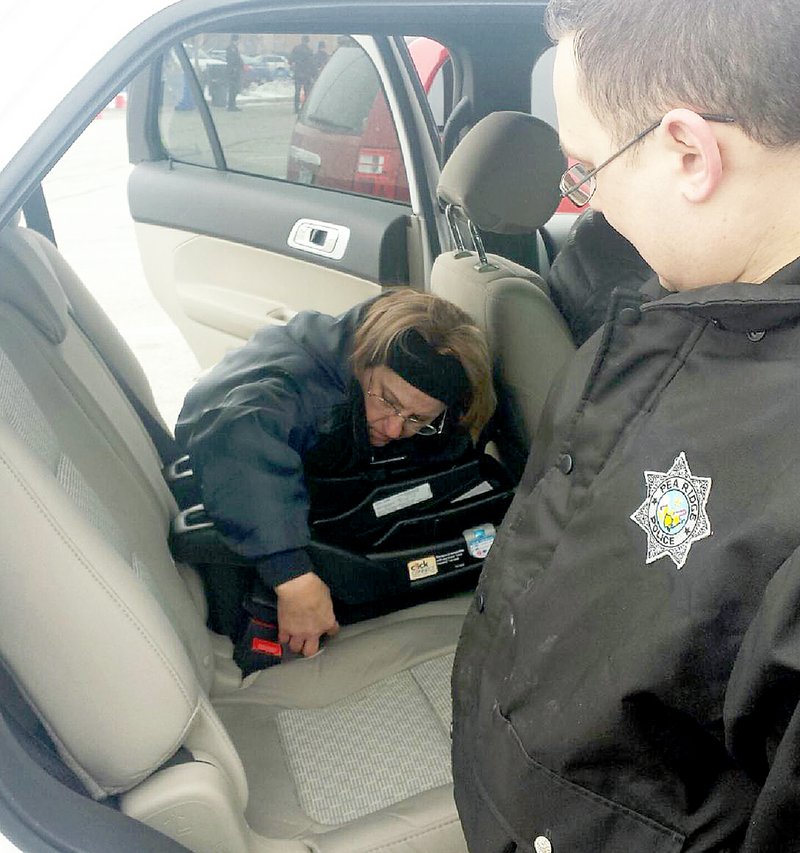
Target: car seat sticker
<point>401,500</point>
<point>454,559</point>
<point>480,489</point>
<point>479,540</point>
<point>424,567</point>
<point>673,515</point>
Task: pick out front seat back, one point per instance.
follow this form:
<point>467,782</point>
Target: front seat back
<point>503,177</point>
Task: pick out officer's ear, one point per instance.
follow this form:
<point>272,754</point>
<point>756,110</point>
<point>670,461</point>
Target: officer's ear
<point>693,144</point>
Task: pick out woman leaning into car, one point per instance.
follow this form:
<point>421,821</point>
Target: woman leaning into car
<point>406,374</point>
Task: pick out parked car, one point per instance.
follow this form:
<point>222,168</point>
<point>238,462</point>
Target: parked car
<point>124,722</point>
<point>345,137</point>
<point>260,68</point>
<point>278,65</point>
<point>215,64</point>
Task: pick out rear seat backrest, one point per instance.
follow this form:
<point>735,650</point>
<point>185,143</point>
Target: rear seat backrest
<point>32,276</point>
<point>85,504</point>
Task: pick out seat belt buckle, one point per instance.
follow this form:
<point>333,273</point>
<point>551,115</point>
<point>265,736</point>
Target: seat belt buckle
<point>257,646</point>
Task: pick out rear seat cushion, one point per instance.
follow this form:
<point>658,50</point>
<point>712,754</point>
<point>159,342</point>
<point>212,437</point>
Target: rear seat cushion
<point>341,738</point>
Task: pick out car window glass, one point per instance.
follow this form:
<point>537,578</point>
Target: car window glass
<point>341,100</point>
<point>182,131</point>
<point>433,64</point>
<point>543,103</point>
<point>543,106</point>
<point>436,99</point>
<point>305,109</point>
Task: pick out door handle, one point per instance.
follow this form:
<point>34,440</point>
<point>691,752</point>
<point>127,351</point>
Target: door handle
<point>319,238</point>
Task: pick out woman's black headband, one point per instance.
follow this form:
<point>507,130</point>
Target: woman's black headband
<point>438,375</point>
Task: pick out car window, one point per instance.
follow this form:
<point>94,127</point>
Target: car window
<point>434,66</point>
<point>436,99</point>
<point>182,131</point>
<point>543,103</point>
<point>344,95</point>
<point>286,107</point>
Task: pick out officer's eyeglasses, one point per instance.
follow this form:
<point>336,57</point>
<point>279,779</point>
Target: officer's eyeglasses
<point>412,425</point>
<point>579,183</point>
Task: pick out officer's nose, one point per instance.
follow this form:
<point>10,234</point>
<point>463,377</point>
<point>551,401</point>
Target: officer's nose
<point>394,426</point>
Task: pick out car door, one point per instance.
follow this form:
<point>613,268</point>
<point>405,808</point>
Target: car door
<point>255,199</point>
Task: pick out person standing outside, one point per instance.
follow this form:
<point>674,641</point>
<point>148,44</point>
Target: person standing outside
<point>628,676</point>
<point>404,375</point>
<point>321,58</point>
<point>234,69</point>
<point>302,61</point>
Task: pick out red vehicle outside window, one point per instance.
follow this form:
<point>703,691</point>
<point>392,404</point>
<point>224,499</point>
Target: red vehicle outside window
<point>345,137</point>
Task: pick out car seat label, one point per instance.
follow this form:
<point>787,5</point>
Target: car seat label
<point>479,540</point>
<point>424,567</point>
<point>401,500</point>
<point>480,489</point>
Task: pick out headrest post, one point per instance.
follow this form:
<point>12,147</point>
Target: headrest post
<point>484,265</point>
<point>461,249</point>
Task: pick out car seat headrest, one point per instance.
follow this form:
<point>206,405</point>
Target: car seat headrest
<point>29,283</point>
<point>504,173</point>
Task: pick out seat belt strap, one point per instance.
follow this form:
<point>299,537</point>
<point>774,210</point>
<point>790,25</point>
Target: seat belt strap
<point>160,436</point>
<point>162,439</point>
<point>31,734</point>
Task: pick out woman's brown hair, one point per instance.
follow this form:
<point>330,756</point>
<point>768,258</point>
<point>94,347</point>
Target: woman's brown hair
<point>445,327</point>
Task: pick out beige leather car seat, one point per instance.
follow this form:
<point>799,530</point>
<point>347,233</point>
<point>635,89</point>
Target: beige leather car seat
<point>503,177</point>
<point>105,636</point>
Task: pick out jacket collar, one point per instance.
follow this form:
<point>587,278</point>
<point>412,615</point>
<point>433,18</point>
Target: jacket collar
<point>738,306</point>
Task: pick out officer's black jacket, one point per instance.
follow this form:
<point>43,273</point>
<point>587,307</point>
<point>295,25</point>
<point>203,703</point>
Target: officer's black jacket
<point>628,676</point>
<point>594,261</point>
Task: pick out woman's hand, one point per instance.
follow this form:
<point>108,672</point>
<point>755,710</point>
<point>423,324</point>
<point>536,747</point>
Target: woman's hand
<point>305,613</point>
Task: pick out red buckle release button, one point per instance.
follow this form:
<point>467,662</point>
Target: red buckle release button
<point>266,647</point>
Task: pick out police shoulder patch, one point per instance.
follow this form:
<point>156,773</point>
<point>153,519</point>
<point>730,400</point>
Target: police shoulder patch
<point>673,515</point>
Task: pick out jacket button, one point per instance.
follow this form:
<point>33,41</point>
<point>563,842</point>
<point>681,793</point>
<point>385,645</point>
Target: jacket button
<point>542,845</point>
<point>629,317</point>
<point>565,463</point>
<point>756,335</point>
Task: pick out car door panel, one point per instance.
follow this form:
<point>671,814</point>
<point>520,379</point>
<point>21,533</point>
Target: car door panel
<point>223,266</point>
<point>219,292</point>
<point>231,232</point>
<point>240,208</point>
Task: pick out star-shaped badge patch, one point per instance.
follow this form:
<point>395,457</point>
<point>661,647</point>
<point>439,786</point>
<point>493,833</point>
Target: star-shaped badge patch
<point>673,515</point>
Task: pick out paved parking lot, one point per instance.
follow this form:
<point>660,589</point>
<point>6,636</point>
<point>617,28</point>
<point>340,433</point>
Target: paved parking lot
<point>87,196</point>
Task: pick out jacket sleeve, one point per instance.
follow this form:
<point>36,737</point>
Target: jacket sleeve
<point>762,712</point>
<point>247,454</point>
<point>247,424</point>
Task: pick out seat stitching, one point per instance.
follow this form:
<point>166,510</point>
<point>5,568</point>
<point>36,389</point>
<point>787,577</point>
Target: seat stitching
<point>167,753</point>
<point>242,698</point>
<point>392,844</point>
<point>98,578</point>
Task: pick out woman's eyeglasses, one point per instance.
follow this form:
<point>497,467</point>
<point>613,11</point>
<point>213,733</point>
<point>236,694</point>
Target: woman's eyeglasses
<point>411,423</point>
